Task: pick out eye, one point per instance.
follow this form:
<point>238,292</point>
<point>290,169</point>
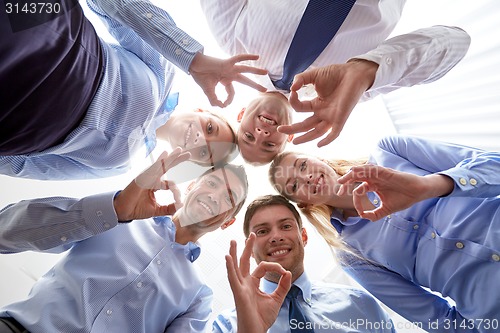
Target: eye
<point>210,183</point>
<point>287,226</point>
<point>294,186</point>
<point>249,136</point>
<point>261,232</point>
<point>210,128</point>
<point>228,200</point>
<point>203,152</point>
<point>303,165</point>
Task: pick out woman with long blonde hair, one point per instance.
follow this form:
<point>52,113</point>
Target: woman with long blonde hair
<point>436,208</point>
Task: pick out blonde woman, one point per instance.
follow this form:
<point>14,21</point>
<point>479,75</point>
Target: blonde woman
<point>436,208</point>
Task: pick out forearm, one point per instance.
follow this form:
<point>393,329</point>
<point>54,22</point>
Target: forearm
<point>422,56</point>
<point>152,24</point>
<point>47,223</point>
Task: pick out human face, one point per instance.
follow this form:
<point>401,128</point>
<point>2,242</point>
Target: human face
<point>258,138</point>
<point>208,138</point>
<point>279,239</point>
<point>212,200</point>
<point>306,180</point>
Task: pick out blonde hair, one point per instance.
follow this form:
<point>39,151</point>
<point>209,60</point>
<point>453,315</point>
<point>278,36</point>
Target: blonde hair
<point>319,215</point>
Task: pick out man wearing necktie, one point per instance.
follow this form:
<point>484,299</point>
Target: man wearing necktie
<point>347,57</point>
<point>286,300</point>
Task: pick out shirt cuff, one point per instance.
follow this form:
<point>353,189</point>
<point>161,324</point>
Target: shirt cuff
<point>99,212</point>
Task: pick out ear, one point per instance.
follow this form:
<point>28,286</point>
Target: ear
<point>290,137</point>
<point>240,115</point>
<point>227,223</point>
<point>304,236</point>
<point>190,187</point>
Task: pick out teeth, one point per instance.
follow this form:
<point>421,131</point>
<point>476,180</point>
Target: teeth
<point>267,121</point>
<point>207,207</point>
<point>277,253</point>
<point>188,135</point>
<point>318,185</point>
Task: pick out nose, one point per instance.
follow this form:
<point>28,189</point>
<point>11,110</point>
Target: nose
<point>261,131</point>
<point>308,179</point>
<point>199,138</point>
<point>276,237</point>
<point>214,197</point>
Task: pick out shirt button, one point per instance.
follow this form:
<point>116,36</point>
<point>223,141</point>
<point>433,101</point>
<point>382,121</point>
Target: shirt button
<point>388,61</point>
<point>106,225</point>
<point>495,257</point>
<point>375,201</point>
<point>473,182</point>
<point>415,227</point>
<point>149,15</point>
<point>99,213</point>
<point>459,245</point>
<point>462,181</point>
<point>64,238</point>
<point>109,312</point>
<point>433,235</point>
<point>185,41</point>
<point>178,51</point>
<point>158,262</point>
<point>139,284</point>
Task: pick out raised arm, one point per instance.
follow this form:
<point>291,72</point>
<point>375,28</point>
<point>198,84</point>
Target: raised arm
<point>431,169</point>
<point>56,223</point>
<point>156,28</point>
<point>422,56</point>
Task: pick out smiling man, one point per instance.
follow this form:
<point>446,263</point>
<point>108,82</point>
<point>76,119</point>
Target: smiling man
<point>280,238</point>
<point>120,275</point>
<point>258,138</point>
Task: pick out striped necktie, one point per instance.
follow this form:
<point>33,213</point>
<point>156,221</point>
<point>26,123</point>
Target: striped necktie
<point>320,22</point>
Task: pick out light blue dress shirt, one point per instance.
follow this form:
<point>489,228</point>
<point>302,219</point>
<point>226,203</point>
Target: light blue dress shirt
<point>119,278</point>
<point>130,103</point>
<point>449,245</point>
<point>328,307</point>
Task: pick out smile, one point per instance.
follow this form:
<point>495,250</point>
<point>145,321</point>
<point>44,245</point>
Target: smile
<point>279,253</point>
<point>207,207</point>
<point>268,121</point>
<point>188,134</point>
<point>319,183</point>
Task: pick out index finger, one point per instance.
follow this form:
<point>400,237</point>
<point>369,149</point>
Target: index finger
<point>298,105</point>
<point>247,252</point>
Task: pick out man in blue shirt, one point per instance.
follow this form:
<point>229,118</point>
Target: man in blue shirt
<point>280,238</point>
<point>121,276</point>
<point>75,102</point>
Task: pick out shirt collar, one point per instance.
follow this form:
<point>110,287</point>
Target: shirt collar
<point>191,250</point>
<point>303,283</point>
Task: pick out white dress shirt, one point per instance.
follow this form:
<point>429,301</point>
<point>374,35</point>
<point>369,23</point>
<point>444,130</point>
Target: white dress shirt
<point>267,28</point>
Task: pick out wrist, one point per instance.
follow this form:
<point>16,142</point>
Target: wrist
<point>119,211</point>
<point>366,71</point>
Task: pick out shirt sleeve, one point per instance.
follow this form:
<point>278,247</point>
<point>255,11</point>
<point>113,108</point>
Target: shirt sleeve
<point>226,322</point>
<point>195,318</point>
<point>135,22</point>
<point>54,224</point>
<point>474,171</point>
<point>421,307</point>
<point>422,56</point>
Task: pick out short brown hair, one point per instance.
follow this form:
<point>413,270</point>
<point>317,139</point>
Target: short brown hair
<point>266,201</point>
